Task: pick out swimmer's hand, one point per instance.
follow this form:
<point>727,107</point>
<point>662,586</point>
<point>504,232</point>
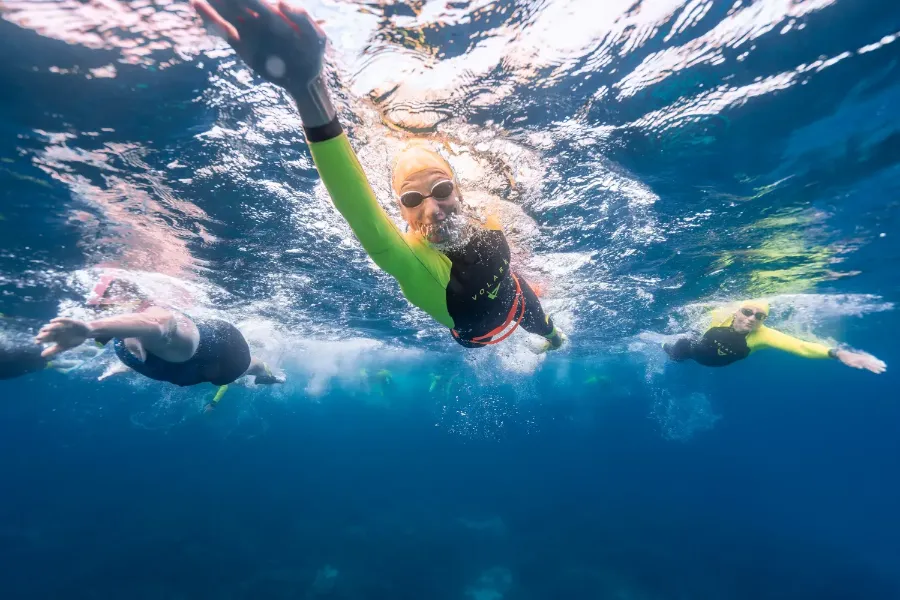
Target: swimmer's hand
<point>859,360</point>
<point>65,334</point>
<point>281,43</point>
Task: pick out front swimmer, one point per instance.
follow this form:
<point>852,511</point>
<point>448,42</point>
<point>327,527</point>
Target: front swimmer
<point>733,337</point>
<point>159,342</point>
<point>451,264</point>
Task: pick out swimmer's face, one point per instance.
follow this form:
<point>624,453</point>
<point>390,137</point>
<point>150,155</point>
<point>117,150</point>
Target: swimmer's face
<point>744,322</point>
<point>432,216</point>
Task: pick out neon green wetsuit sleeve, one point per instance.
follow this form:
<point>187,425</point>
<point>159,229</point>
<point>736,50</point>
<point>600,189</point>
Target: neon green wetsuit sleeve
<point>422,272</point>
<point>769,338</point>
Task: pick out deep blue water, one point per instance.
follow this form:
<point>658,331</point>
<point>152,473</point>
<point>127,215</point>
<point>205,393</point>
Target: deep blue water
<point>742,167</point>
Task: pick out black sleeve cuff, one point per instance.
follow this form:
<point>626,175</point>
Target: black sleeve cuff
<point>323,133</point>
<point>832,353</point>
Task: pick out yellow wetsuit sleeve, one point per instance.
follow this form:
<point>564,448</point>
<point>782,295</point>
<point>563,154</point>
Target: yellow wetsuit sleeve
<point>769,338</point>
<point>422,272</point>
<point>721,318</point>
<point>219,393</point>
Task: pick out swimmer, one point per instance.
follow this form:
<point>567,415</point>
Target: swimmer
<point>450,263</point>
<point>17,361</point>
<point>381,381</point>
<point>733,337</point>
<point>159,342</point>
<point>435,382</point>
<point>19,358</point>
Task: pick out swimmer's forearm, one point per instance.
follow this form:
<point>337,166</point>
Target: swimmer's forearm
<point>126,326</point>
<point>343,176</point>
<point>814,350</point>
<point>314,104</point>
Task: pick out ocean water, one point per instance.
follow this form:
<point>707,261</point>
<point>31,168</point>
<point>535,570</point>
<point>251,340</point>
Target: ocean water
<point>651,159</point>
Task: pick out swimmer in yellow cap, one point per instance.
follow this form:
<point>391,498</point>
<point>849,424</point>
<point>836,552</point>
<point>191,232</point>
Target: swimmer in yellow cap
<point>451,264</point>
<point>733,337</point>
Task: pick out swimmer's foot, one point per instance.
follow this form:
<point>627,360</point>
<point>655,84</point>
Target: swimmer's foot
<point>64,366</point>
<point>668,349</point>
<point>262,374</point>
<point>269,379</point>
<point>113,369</point>
<point>554,341</point>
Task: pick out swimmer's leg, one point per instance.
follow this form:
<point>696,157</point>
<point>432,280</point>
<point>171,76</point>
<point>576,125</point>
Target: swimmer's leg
<point>114,369</point>
<point>537,322</point>
<point>262,373</point>
<point>681,349</point>
<point>64,365</point>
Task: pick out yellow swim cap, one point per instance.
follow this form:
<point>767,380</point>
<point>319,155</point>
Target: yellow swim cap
<point>416,157</point>
<point>760,305</point>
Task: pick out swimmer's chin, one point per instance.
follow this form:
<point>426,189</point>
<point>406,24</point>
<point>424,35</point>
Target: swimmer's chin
<point>437,237</point>
<point>434,235</point>
<point>448,235</point>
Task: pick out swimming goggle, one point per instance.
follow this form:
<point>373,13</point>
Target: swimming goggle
<point>748,312</point>
<point>440,191</point>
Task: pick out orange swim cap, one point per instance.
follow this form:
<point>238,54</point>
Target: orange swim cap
<point>416,157</point>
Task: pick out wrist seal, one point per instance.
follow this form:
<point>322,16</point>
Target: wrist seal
<point>314,102</point>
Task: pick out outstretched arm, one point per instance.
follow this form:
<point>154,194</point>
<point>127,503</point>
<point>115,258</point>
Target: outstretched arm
<point>770,338</point>
<point>284,45</point>
<point>150,325</point>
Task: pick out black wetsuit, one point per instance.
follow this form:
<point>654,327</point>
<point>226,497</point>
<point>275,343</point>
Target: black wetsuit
<point>482,290</point>
<point>21,360</point>
<point>222,356</point>
<point>719,347</point>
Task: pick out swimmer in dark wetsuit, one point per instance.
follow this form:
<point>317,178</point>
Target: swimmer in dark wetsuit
<point>451,264</point>
<point>19,361</point>
<point>158,342</point>
<point>18,357</point>
<point>733,337</point>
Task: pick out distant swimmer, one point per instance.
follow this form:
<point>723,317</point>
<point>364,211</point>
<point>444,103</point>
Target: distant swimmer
<point>19,356</point>
<point>20,360</point>
<point>450,263</point>
<point>734,336</point>
<point>160,342</point>
<point>380,382</point>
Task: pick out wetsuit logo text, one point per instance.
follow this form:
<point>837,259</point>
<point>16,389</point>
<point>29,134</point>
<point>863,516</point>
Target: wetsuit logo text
<point>489,288</point>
